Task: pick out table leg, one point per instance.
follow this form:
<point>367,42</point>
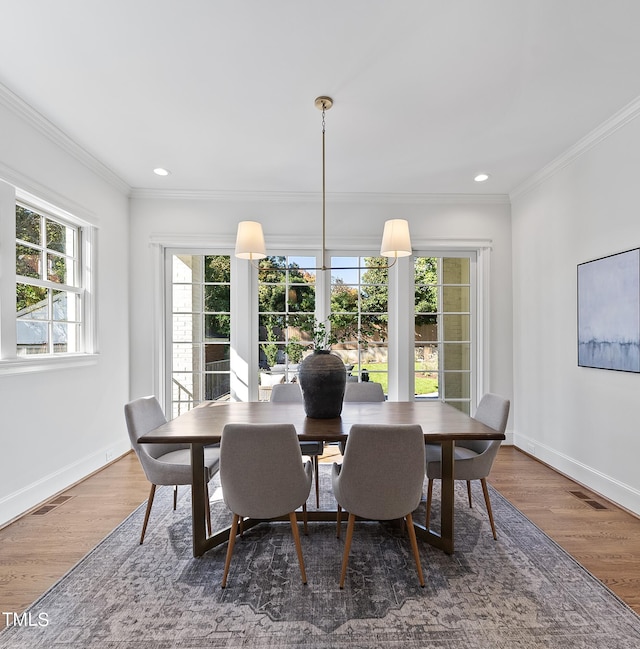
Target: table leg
<point>197,500</point>
<point>444,540</point>
<point>447,495</point>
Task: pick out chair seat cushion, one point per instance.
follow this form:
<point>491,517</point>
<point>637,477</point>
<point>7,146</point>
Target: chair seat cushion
<point>434,453</point>
<point>178,465</point>
<point>463,462</point>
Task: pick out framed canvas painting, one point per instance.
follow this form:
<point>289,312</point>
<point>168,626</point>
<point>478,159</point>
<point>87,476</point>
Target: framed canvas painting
<point>609,312</point>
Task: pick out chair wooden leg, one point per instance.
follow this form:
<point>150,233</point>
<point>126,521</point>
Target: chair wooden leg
<point>469,492</point>
<point>296,538</point>
<point>339,521</point>
<point>414,547</point>
<point>487,501</point>
<point>175,497</point>
<point>304,519</point>
<point>207,508</point>
<point>347,548</point>
<point>232,541</point>
<point>429,497</point>
<point>316,470</point>
<point>152,493</point>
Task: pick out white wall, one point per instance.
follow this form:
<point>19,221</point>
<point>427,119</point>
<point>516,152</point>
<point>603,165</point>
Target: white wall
<point>59,425</point>
<point>582,421</point>
<point>351,222</point>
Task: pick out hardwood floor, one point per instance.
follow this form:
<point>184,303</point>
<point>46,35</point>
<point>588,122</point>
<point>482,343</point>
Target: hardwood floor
<point>602,537</point>
<point>39,548</point>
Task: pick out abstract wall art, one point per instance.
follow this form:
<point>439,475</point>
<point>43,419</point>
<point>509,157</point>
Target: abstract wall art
<point>609,312</point>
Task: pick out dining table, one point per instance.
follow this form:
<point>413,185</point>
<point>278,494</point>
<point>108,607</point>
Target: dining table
<point>203,425</point>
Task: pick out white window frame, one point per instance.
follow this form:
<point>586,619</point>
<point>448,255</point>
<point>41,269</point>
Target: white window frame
<point>474,322</point>
<point>166,379</point>
<point>10,362</point>
<point>390,346</point>
<point>287,314</point>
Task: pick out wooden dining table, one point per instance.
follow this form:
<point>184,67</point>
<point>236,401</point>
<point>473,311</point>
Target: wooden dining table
<point>441,423</point>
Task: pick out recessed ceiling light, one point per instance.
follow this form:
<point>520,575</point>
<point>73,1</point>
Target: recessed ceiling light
<point>159,171</point>
<point>480,178</point>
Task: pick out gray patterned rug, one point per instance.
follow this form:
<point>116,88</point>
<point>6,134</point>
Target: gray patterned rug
<point>522,591</point>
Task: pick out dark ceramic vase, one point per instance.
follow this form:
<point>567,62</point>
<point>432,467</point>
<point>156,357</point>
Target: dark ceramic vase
<point>322,376</point>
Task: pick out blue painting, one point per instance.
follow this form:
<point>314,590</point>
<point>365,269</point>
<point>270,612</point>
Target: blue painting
<point>609,312</point>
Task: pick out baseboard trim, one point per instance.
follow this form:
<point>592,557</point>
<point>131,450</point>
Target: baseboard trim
<point>620,494</point>
<point>21,502</point>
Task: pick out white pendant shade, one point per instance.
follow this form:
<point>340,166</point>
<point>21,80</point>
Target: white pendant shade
<point>250,241</point>
<point>396,241</point>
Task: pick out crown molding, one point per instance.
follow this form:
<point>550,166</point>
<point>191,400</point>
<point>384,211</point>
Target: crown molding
<point>279,243</point>
<point>19,107</point>
<point>315,197</point>
<point>600,133</point>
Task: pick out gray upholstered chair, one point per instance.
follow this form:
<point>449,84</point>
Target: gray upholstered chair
<point>380,478</point>
<point>164,464</point>
<point>291,393</point>
<point>262,476</point>
<point>473,459</point>
<point>365,391</point>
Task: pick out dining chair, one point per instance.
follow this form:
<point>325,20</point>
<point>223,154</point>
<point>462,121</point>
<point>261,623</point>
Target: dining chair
<point>263,476</point>
<point>292,393</point>
<point>380,478</point>
<point>164,464</point>
<point>364,392</point>
<point>473,459</point>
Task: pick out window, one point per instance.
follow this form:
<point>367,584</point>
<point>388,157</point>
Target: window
<point>443,330</point>
<point>200,340</point>
<point>359,316</point>
<point>286,309</point>
<point>49,287</point>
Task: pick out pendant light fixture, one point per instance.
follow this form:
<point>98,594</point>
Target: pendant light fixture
<point>396,241</point>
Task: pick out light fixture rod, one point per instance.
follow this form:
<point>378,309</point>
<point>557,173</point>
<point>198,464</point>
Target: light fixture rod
<point>324,188</point>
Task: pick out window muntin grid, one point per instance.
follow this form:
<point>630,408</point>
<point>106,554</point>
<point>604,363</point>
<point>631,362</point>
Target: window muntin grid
<point>443,330</point>
<point>200,345</point>
<point>286,312</point>
<point>49,291</point>
<point>359,313</point>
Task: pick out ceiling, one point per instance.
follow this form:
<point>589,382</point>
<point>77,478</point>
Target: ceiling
<point>221,92</point>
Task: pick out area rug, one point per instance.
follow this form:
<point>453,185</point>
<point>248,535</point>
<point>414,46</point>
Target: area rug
<point>521,591</point>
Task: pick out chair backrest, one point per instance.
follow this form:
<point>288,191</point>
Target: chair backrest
<point>142,416</point>
<point>383,470</point>
<point>286,392</point>
<point>365,391</point>
<point>492,411</point>
<point>261,470</point>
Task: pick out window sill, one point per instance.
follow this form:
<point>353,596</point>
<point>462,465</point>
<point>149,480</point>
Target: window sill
<point>45,363</point>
